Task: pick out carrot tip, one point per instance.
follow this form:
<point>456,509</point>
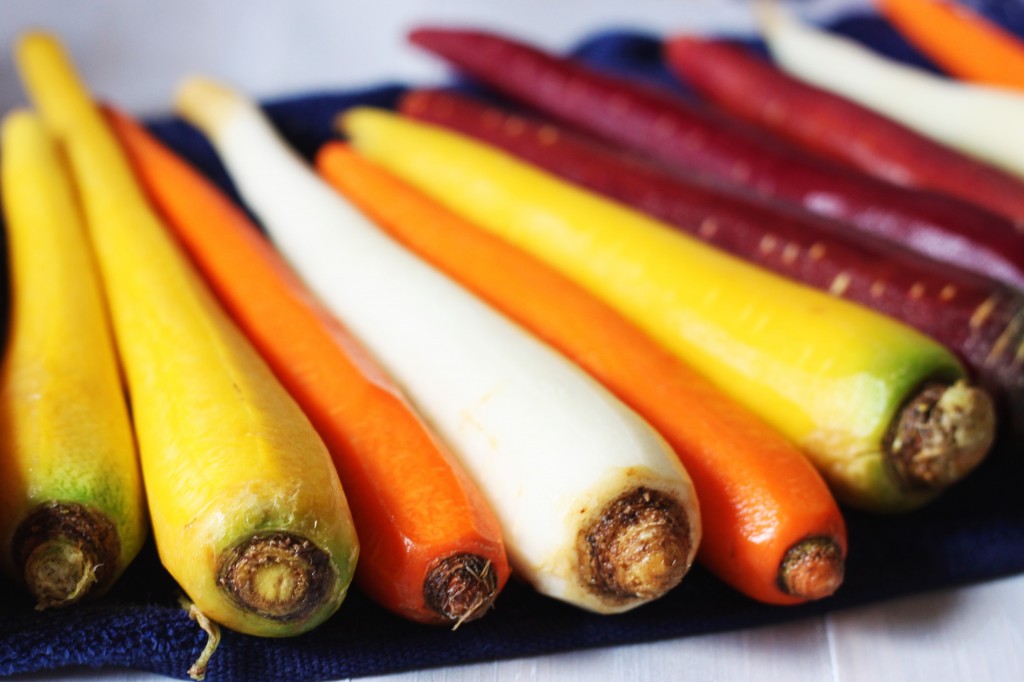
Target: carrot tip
<point>638,548</point>
<point>282,577</point>
<point>59,573</point>
<point>461,587</point>
<point>66,551</point>
<point>942,434</point>
<point>812,568</point>
<point>205,103</point>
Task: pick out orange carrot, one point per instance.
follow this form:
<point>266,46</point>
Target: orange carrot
<point>431,547</point>
<point>773,530</point>
<point>961,41</point>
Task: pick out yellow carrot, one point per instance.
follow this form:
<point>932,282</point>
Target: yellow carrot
<point>247,510</point>
<point>72,511</point>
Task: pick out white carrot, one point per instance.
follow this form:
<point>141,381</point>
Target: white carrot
<point>595,507</point>
<point>984,121</point>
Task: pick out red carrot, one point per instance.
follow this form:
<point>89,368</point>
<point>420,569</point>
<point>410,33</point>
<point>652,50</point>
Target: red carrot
<point>982,320</point>
<point>707,141</point>
<point>771,528</point>
<point>960,40</point>
<point>431,548</point>
<point>824,123</point>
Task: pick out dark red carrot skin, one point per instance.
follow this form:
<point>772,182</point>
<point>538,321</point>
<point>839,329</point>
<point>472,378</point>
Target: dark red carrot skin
<point>753,89</point>
<point>980,319</point>
<point>702,139</point>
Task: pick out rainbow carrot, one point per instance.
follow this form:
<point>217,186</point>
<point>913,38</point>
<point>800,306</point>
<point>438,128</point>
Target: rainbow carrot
<point>883,411</point>
<point>595,508</point>
<point>836,127</point>
<point>982,320</point>
<point>707,141</point>
<point>744,472</point>
<point>960,40</point>
<point>979,119</point>
<point>433,550</point>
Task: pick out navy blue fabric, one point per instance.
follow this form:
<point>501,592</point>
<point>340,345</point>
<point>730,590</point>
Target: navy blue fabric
<point>1007,13</point>
<point>974,533</point>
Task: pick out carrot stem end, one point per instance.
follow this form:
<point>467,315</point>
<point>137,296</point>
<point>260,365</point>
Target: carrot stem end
<point>66,551</point>
<point>638,548</point>
<point>941,435</point>
<point>461,587</point>
<point>281,576</point>
<point>812,568</point>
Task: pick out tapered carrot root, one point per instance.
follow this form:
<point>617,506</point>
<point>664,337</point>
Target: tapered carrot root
<point>434,551</point>
<point>963,42</point>
<point>247,511</point>
<point>743,471</point>
<point>944,109</point>
<point>981,320</point>
<point>706,141</point>
<point>612,522</point>
<point>836,127</point>
<point>799,358</point>
<point>72,512</point>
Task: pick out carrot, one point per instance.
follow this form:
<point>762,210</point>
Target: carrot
<point>883,411</point>
<point>595,508</point>
<point>981,320</point>
<point>744,472</point>
<point>247,511</point>
<point>978,119</point>
<point>72,508</point>
<point>757,91</point>
<point>433,550</point>
<point>960,40</point>
<point>705,140</point>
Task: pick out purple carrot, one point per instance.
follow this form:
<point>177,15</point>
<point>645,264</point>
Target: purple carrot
<point>705,140</point>
<point>980,319</point>
<point>753,89</point>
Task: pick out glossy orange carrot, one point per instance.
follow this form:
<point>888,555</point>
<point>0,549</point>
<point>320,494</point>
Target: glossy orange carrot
<point>772,529</point>
<point>960,40</point>
<point>431,547</point>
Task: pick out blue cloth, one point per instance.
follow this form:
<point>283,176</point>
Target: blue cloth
<point>974,533</point>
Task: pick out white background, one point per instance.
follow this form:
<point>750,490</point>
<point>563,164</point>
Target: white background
<point>134,52</point>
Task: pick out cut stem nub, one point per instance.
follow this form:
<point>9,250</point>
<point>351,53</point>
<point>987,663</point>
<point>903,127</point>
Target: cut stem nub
<point>942,434</point>
<point>637,549</point>
<point>812,568</point>
<point>282,577</point>
<point>461,587</point>
<point>65,551</point>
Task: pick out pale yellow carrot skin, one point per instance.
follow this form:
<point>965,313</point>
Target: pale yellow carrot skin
<point>65,435</point>
<point>830,375</point>
<point>227,455</point>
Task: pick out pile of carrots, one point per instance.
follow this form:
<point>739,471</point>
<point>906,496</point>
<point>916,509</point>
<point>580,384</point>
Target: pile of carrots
<point>586,346</point>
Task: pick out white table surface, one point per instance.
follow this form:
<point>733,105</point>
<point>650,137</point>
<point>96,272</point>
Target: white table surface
<point>133,52</point>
